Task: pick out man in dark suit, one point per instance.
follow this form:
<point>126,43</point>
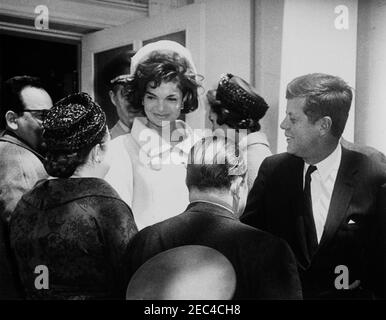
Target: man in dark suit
<point>265,266</point>
<point>321,197</point>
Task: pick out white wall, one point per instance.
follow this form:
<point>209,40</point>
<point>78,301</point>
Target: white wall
<point>370,124</point>
<point>76,12</point>
<point>227,41</point>
<point>268,42</point>
<point>311,43</point>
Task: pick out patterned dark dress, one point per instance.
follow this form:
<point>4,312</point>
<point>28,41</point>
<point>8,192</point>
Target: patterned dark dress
<point>78,228</point>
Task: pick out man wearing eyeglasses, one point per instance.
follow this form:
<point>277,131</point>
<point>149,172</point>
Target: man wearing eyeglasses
<point>22,108</point>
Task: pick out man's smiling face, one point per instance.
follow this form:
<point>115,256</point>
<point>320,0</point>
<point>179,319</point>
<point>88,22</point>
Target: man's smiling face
<point>302,135</point>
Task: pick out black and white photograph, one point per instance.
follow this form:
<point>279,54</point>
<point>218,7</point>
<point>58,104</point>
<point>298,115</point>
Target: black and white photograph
<point>195,152</point>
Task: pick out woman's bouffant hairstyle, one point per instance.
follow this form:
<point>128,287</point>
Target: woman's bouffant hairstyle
<point>237,104</point>
<point>73,126</point>
<point>164,67</point>
<point>214,162</point>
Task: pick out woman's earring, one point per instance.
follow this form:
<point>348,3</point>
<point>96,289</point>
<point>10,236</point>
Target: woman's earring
<point>183,104</point>
<point>98,150</point>
<point>236,199</point>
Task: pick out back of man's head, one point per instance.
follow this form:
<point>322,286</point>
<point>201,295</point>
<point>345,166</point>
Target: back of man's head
<point>11,99</point>
<point>325,95</point>
<point>214,163</point>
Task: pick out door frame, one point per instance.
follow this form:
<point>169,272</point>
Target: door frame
<point>190,19</point>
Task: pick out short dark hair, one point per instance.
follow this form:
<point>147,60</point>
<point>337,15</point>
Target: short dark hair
<point>214,162</point>
<point>117,66</point>
<point>325,95</point>
<point>11,99</point>
<point>160,67</point>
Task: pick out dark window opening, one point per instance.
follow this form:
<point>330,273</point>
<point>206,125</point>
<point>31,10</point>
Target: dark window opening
<point>56,63</point>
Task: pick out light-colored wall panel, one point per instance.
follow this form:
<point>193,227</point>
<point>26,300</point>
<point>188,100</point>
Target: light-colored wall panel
<point>268,42</point>
<point>77,12</point>
<point>370,112</point>
<point>311,43</point>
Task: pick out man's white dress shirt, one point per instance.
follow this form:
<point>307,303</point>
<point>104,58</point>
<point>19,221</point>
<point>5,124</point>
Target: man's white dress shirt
<point>322,186</point>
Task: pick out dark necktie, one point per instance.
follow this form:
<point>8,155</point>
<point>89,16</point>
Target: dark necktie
<point>309,224</point>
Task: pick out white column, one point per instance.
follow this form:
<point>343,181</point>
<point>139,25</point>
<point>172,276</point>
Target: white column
<point>318,36</point>
<point>370,125</point>
<point>225,46</point>
<point>268,42</point>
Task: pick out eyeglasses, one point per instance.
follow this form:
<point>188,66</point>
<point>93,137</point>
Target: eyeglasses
<point>39,114</point>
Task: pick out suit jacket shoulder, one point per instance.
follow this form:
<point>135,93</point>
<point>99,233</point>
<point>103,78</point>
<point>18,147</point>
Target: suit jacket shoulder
<point>265,266</point>
<point>280,168</point>
<point>369,168</point>
<point>367,150</point>
<point>278,160</point>
<point>20,170</point>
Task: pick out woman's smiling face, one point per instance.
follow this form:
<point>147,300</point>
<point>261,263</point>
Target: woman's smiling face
<point>162,104</point>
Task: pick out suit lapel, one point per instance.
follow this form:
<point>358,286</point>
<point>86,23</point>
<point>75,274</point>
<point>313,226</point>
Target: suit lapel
<point>341,196</point>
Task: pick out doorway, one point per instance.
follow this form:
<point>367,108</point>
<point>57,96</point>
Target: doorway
<point>55,62</point>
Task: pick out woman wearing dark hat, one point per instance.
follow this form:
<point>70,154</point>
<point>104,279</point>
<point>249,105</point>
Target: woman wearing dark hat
<point>148,168</point>
<point>236,105</point>
<point>70,232</point>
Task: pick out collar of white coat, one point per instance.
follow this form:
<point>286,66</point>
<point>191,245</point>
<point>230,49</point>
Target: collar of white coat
<point>156,145</point>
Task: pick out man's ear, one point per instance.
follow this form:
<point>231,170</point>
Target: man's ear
<point>11,118</point>
<point>112,97</point>
<point>325,125</point>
